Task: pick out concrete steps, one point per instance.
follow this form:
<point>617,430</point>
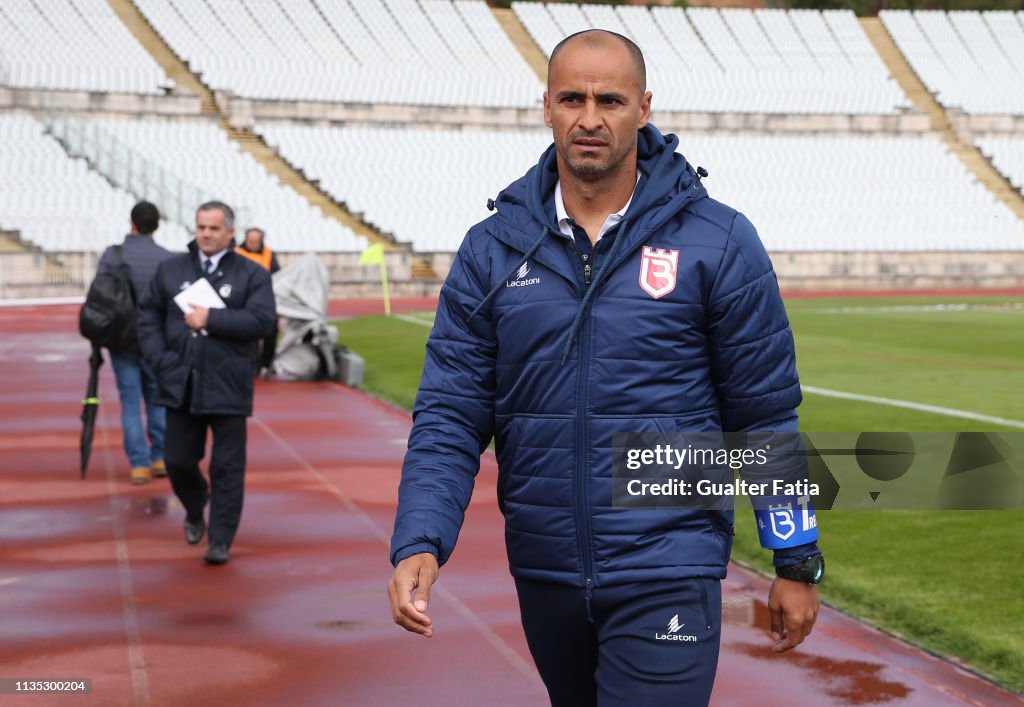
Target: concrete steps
<point>9,243</point>
<point>967,153</point>
<point>293,178</point>
<point>152,42</point>
<point>522,41</point>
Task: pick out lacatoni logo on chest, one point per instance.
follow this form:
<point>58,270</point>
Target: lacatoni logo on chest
<point>658,271</point>
<point>224,291</point>
<point>521,277</point>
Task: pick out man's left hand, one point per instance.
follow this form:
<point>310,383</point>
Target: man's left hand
<point>794,609</point>
<point>198,317</point>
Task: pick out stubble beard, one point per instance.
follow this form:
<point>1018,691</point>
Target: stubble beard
<point>592,169</point>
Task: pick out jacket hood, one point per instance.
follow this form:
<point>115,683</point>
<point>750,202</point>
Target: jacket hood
<point>665,174</point>
<point>667,184</point>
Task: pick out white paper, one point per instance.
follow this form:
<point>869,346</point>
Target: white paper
<point>200,292</point>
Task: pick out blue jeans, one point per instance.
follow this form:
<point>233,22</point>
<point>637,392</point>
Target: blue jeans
<point>135,382</point>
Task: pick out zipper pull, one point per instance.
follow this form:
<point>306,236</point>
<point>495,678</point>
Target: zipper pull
<point>586,274</point>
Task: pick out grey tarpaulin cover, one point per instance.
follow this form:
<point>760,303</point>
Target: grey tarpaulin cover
<point>306,350</point>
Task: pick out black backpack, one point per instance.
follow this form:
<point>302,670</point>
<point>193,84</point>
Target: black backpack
<point>108,316</point>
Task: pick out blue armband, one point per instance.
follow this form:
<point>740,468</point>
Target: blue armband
<point>785,521</point>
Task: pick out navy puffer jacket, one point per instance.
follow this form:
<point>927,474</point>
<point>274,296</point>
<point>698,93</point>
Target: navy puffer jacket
<point>522,349</point>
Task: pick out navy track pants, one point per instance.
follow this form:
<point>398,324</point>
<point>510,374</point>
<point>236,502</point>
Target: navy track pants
<point>649,643</point>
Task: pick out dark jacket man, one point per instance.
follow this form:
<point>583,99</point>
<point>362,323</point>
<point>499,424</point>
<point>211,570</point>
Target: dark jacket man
<point>202,359</point>
<point>220,361</point>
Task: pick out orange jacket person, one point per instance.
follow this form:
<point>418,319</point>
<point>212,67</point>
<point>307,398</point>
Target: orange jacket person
<point>253,249</point>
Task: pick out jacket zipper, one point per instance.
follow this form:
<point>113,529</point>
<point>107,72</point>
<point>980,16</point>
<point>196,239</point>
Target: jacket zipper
<point>582,507</point>
<point>582,487</point>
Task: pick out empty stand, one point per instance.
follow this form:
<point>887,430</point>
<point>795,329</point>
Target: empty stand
<point>803,193</point>
<point>1007,155</point>
<point>425,187</point>
<point>73,45</point>
<point>967,60</point>
<point>539,25</point>
<point>1007,29</point>
<point>58,203</point>
<point>426,52</point>
<point>199,153</point>
<point>738,61</point>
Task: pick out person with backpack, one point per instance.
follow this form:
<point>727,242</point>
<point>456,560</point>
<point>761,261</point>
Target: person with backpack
<point>137,257</point>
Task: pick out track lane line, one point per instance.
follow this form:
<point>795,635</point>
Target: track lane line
<point>496,641</point>
<point>129,607</point>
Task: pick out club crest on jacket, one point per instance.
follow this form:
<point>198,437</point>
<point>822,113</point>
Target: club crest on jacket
<point>658,271</point>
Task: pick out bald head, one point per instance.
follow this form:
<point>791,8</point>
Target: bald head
<point>599,39</point>
<point>595,105</point>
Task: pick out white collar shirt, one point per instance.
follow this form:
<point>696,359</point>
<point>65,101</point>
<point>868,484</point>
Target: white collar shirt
<point>565,221</point>
<point>215,259</point>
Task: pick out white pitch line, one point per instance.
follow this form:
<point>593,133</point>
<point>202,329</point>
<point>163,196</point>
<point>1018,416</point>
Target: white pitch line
<point>949,412</point>
<point>1004,308</point>
<point>413,320</point>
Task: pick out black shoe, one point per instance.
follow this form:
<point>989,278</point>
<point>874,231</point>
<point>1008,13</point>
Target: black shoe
<point>217,554</point>
<point>194,529</point>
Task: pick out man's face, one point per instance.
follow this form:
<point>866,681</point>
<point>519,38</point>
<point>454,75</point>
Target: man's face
<point>253,240</point>
<point>594,106</point>
<point>211,233</point>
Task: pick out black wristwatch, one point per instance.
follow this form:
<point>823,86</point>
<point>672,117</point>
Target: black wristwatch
<point>809,570</point>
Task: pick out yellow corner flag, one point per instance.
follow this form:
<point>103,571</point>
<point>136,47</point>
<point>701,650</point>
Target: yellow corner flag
<point>374,255</point>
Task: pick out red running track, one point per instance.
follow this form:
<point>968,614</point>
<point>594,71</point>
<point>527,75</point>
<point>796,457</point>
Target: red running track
<point>96,580</point>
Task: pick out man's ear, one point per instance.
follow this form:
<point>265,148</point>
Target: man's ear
<point>547,109</point>
<point>645,111</point>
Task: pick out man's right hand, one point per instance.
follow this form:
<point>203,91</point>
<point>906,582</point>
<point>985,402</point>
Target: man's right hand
<point>409,592</point>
